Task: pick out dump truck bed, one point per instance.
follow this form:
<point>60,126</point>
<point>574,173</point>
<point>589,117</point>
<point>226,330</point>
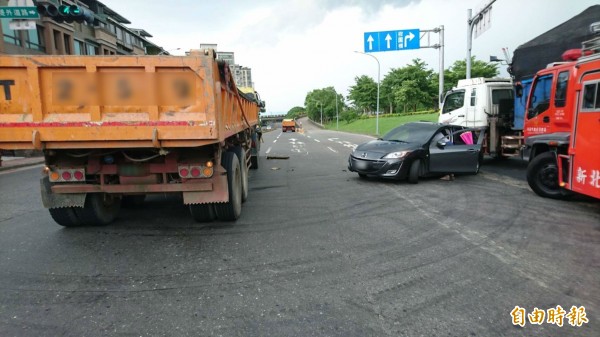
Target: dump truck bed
<point>61,102</point>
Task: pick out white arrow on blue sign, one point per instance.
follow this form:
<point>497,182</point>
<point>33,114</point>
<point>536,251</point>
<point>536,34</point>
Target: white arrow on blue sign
<point>392,40</point>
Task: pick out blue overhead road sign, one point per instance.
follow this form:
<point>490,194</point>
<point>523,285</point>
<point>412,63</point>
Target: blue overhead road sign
<point>392,40</point>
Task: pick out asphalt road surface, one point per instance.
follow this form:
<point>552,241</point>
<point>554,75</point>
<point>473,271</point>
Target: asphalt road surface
<point>317,252</point>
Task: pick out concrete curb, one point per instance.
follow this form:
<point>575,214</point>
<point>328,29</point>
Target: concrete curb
<point>315,124</point>
<point>20,163</point>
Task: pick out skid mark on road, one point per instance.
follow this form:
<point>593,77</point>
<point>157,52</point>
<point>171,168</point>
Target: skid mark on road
<point>483,241</point>
<point>504,180</point>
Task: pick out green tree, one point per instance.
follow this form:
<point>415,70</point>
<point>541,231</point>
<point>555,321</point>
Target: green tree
<point>363,94</point>
<point>323,100</point>
<point>417,93</point>
<point>295,112</point>
<point>409,94</point>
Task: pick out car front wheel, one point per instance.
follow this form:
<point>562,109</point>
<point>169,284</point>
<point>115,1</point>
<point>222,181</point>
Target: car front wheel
<point>413,173</point>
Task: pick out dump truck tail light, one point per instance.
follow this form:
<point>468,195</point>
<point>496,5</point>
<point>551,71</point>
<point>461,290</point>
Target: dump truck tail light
<point>66,175</point>
<point>196,171</point>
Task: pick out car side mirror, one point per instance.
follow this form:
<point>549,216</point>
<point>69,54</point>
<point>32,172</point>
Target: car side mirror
<point>441,144</point>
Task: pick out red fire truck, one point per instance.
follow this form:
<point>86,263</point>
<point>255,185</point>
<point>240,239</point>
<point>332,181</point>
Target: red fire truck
<point>562,125</point>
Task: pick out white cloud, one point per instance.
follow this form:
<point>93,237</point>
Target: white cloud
<point>299,45</point>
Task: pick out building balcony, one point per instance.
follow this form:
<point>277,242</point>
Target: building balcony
<point>105,37</point>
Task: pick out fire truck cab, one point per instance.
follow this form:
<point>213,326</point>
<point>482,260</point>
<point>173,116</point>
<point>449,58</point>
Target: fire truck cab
<point>562,125</point>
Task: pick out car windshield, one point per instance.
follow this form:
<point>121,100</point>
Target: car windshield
<point>411,133</point>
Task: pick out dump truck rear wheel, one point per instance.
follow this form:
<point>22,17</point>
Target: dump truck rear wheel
<point>100,209</point>
<point>254,162</point>
<point>203,213</point>
<point>65,216</point>
<point>241,154</point>
<point>133,201</point>
<point>231,210</point>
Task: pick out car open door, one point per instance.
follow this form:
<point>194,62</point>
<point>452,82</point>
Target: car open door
<point>459,152</point>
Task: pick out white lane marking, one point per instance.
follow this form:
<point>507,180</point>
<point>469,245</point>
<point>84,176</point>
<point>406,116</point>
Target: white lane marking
<point>275,141</point>
<point>350,145</point>
<point>318,141</point>
<point>308,136</point>
<point>332,150</point>
<point>268,150</point>
<point>332,139</point>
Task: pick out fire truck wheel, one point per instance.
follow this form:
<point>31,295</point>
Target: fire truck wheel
<point>241,154</point>
<point>203,213</point>
<point>65,216</point>
<point>231,210</point>
<point>542,176</point>
<point>100,209</point>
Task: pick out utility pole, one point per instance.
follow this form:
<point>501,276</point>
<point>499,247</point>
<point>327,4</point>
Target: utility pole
<point>471,22</point>
<point>425,41</point>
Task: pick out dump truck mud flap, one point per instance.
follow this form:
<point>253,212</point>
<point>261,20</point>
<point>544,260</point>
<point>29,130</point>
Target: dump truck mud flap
<point>219,193</point>
<point>53,200</point>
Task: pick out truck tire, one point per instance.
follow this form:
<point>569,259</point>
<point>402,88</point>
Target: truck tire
<point>100,209</point>
<point>241,154</point>
<point>231,210</point>
<point>542,176</point>
<point>65,216</point>
<point>133,201</point>
<point>413,173</point>
<point>254,162</point>
<point>203,212</point>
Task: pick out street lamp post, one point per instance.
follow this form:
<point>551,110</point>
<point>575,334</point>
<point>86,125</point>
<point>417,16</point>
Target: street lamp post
<point>378,78</point>
<point>321,112</point>
<point>337,115</point>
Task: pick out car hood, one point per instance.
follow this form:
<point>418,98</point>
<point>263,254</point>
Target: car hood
<point>376,149</point>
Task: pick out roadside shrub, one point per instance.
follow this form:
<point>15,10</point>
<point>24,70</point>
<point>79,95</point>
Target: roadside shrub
<point>349,116</point>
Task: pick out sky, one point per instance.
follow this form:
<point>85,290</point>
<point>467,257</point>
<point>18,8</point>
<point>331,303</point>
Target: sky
<point>295,46</point>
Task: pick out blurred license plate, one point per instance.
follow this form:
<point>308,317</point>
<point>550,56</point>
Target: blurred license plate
<point>361,165</point>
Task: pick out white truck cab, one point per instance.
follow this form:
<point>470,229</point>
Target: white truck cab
<point>485,103</point>
<point>473,100</point>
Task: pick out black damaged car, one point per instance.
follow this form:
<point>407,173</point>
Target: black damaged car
<point>419,149</point>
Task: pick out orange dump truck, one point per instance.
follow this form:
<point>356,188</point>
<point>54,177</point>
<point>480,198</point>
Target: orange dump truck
<point>114,129</point>
<point>288,124</point>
